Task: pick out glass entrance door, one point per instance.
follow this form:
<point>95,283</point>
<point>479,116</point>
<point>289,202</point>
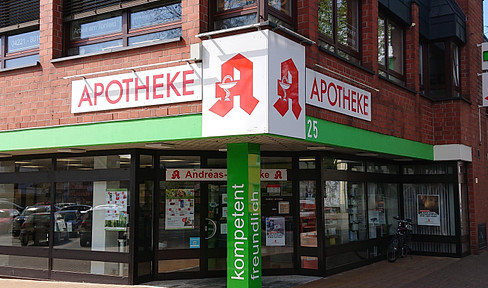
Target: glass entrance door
<point>215,230</point>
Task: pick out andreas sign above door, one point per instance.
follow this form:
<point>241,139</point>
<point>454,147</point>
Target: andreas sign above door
<point>254,83</point>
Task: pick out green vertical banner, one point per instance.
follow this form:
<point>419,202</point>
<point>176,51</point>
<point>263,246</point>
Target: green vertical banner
<point>243,215</point>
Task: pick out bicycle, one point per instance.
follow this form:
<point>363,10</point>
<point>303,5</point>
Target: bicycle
<point>398,246</point>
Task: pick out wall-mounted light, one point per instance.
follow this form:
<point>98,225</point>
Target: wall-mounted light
<point>319,148</point>
<point>160,145</point>
<point>71,150</point>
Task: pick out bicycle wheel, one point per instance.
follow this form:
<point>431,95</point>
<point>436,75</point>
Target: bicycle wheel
<point>405,251</point>
<point>393,251</point>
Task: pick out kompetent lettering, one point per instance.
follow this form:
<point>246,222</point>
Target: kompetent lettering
<point>240,236</point>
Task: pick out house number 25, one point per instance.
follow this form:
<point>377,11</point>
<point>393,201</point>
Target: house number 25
<point>313,131</point>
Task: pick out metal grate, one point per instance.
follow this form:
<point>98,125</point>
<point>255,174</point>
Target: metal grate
<point>13,12</point>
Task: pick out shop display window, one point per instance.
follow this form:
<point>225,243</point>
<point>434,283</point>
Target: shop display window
<point>95,214</point>
<point>91,267</point>
<point>179,215</point>
<point>382,207</point>
<point>343,165</point>
<point>308,218</point>
<point>306,162</point>
<point>13,261</point>
<point>344,212</point>
<point>25,165</point>
<point>179,162</point>
<point>25,215</point>
<point>382,168</point>
<point>69,163</point>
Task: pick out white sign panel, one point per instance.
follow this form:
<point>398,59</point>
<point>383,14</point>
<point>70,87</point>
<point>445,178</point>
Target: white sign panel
<point>253,85</point>
<point>286,87</point>
<point>219,175</point>
<point>334,95</point>
<point>484,56</point>
<point>145,88</point>
<point>485,89</point>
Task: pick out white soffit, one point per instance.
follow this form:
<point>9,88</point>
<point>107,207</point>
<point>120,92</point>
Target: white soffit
<point>452,152</point>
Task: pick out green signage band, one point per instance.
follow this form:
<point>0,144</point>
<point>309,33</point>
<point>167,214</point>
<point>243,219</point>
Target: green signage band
<point>335,134</point>
<point>485,55</point>
<point>243,216</point>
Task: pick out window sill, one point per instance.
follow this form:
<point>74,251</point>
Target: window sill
<point>346,60</point>
<point>74,57</point>
<point>20,67</point>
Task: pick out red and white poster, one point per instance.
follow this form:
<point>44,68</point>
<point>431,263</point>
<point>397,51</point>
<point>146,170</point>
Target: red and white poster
<point>180,207</point>
<point>428,210</point>
<point>116,209</point>
<point>275,231</point>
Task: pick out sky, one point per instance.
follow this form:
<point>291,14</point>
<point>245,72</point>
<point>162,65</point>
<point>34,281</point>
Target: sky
<point>485,17</point>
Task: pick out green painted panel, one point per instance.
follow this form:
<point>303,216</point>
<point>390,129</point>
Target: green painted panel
<point>243,216</point>
<point>330,133</point>
<point>105,133</point>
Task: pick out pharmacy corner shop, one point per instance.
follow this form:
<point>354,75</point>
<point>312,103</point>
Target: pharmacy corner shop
<point>256,184</point>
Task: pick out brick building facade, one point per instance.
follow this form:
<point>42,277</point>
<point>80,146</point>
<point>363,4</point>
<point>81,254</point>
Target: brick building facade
<point>417,62</point>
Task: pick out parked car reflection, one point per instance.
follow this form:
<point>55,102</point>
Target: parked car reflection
<point>85,228</point>
<point>7,218</point>
<point>29,210</point>
<point>72,219</point>
<point>36,228</point>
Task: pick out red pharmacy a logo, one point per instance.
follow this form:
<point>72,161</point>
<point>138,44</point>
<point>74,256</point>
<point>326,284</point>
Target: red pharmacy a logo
<point>288,89</point>
<point>237,80</point>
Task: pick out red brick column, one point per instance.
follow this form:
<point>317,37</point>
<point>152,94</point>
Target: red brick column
<point>412,51</point>
<point>369,34</point>
<point>51,30</point>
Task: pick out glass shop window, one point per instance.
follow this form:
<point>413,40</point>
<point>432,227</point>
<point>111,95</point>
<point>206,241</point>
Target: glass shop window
<point>344,212</point>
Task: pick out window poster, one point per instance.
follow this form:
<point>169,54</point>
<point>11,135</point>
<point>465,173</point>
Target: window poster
<point>428,210</point>
<point>332,194</point>
<point>116,209</point>
<point>180,207</point>
<point>275,231</point>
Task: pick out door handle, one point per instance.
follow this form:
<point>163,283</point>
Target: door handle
<point>214,224</point>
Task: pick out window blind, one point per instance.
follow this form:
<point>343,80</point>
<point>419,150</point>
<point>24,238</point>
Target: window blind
<point>18,11</point>
<point>72,7</point>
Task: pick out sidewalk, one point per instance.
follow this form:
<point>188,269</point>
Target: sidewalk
<point>414,271</point>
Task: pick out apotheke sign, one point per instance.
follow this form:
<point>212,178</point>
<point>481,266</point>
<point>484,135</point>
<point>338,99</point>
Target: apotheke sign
<point>146,88</point>
<point>254,84</point>
<point>219,175</point>
<point>334,95</point>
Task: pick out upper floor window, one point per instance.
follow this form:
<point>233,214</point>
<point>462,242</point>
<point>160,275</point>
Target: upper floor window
<point>439,70</point>
<point>19,47</point>
<point>390,49</point>
<point>234,13</point>
<point>136,25</point>
<point>339,27</point>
